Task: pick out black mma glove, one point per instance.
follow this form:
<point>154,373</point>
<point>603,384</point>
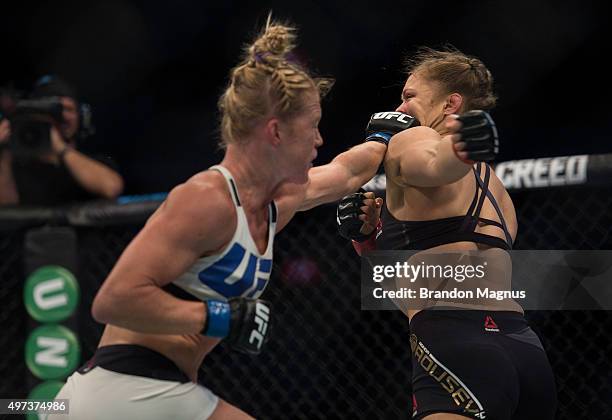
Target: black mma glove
<point>479,135</point>
<point>347,216</point>
<point>244,322</point>
<point>383,125</point>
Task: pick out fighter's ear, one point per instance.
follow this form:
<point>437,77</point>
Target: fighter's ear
<point>273,131</point>
<point>453,104</point>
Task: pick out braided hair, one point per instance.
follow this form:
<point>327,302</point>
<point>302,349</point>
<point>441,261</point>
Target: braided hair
<point>456,72</point>
<point>268,81</point>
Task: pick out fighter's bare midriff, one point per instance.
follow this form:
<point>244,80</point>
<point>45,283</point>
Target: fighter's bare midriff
<point>187,351</point>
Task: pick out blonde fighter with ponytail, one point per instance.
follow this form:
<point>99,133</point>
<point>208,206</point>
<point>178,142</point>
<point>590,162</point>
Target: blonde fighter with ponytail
<point>194,274</point>
<point>266,82</point>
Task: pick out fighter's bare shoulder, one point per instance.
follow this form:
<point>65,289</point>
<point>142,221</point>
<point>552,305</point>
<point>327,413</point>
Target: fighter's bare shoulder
<point>199,208</point>
<point>203,196</point>
<point>414,134</point>
<point>412,143</point>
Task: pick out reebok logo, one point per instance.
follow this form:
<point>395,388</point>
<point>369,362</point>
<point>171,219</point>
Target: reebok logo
<point>490,325</point>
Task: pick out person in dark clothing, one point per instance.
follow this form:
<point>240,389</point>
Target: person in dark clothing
<point>62,174</point>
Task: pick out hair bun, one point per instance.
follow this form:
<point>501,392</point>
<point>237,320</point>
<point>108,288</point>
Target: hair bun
<point>273,44</point>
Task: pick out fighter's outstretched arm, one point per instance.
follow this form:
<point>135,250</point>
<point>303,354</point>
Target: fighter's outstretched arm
<point>346,172</point>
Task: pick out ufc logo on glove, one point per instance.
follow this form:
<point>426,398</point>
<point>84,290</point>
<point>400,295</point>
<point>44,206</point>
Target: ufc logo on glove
<point>401,117</point>
<point>262,317</point>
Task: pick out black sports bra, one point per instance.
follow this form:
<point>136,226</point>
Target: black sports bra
<point>400,234</point>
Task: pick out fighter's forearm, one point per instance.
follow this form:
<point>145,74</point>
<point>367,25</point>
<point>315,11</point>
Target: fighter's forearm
<point>343,175</point>
<point>148,309</point>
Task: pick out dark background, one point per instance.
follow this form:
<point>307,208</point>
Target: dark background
<point>154,70</point>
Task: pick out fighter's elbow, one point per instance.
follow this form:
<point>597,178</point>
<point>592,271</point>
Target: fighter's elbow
<point>101,309</point>
<point>106,307</point>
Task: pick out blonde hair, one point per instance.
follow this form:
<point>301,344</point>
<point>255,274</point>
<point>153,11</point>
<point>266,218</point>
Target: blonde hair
<point>267,81</point>
<point>456,72</point>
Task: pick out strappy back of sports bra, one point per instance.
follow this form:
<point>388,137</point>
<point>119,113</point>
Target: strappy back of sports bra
<point>401,234</point>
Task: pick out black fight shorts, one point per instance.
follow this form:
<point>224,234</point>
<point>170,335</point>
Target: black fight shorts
<point>481,365</point>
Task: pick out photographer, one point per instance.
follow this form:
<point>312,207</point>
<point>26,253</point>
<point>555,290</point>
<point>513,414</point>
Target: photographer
<point>46,166</point>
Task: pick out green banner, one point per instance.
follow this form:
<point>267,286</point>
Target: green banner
<point>51,294</point>
<point>52,352</point>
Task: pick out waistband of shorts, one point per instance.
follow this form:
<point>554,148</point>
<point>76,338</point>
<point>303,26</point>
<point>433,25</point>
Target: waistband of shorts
<point>505,321</point>
<point>131,359</point>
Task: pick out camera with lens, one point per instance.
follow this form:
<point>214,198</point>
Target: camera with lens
<point>31,123</point>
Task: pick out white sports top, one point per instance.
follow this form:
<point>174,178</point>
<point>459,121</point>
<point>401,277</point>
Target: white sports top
<point>239,269</point>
